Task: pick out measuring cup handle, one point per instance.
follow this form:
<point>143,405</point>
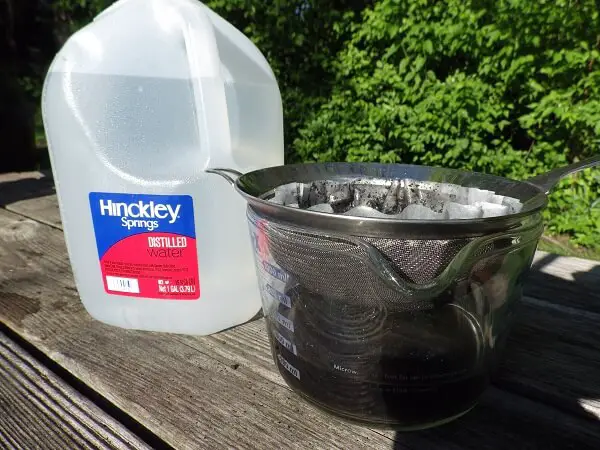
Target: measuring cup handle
<point>225,173</point>
<point>548,180</point>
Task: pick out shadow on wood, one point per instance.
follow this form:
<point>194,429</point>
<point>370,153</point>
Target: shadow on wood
<point>25,187</point>
<point>552,342</point>
<point>579,288</point>
<point>501,421</point>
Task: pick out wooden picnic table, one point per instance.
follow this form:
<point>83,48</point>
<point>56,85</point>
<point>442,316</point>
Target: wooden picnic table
<point>68,381</point>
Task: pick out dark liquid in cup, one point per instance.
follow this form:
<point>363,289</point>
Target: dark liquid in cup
<point>410,369</point>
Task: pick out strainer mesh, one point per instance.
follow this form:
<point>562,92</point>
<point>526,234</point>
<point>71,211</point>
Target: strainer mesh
<point>419,260</point>
<point>335,267</point>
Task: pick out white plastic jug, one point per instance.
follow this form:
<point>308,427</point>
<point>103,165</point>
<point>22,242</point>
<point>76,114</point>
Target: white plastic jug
<point>136,105</point>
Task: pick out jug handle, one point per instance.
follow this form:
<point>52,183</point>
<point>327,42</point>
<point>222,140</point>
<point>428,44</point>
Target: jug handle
<point>201,43</point>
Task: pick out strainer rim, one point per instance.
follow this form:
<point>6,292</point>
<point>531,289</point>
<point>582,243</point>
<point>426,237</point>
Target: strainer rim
<point>384,227</point>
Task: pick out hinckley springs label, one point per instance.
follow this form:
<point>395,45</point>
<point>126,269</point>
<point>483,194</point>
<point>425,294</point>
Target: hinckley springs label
<point>146,245</point>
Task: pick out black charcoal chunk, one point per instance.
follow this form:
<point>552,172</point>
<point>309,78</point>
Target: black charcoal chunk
<point>317,193</point>
<point>392,201</point>
<point>341,200</point>
<point>304,195</point>
<point>371,195</point>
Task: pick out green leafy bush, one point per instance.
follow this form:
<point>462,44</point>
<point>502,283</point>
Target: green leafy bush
<point>509,87</point>
<point>301,40</point>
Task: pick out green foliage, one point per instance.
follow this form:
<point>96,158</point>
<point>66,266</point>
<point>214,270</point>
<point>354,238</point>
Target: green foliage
<point>300,39</point>
<point>71,15</point>
<point>509,87</point>
<point>575,209</point>
<point>44,27</point>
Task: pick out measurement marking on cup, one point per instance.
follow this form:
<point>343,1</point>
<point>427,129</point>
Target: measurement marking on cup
<point>285,322</point>
<point>275,272</point>
<point>279,296</point>
<point>291,369</point>
<point>286,343</point>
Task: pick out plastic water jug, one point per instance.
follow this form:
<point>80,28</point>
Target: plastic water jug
<point>136,105</point>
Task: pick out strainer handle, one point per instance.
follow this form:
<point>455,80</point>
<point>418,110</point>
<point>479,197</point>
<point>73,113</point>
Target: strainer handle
<point>384,269</point>
<point>225,173</point>
<point>548,180</point>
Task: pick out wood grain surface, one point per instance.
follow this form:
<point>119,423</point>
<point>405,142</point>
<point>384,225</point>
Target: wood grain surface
<point>39,411</point>
<point>183,395</point>
<point>223,391</point>
<point>570,282</point>
<point>32,194</point>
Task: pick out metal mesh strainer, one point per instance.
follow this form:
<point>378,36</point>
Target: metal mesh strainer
<point>377,258</point>
<point>389,320</point>
<point>406,273</point>
<point>255,186</point>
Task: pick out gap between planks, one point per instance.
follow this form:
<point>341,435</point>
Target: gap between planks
<point>39,410</point>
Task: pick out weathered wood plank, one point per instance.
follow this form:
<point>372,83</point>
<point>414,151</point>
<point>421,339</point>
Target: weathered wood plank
<point>223,390</point>
<point>39,410</point>
<point>505,421</point>
<point>568,281</point>
<point>6,178</point>
<point>32,195</point>
<point>553,357</point>
<point>183,395</point>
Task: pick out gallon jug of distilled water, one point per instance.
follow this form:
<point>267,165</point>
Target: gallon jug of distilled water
<point>136,105</point>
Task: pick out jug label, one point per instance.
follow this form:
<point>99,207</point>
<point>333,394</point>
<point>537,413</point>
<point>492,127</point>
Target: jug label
<point>146,245</point>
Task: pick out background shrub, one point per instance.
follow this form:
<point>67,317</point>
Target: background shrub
<point>509,87</point>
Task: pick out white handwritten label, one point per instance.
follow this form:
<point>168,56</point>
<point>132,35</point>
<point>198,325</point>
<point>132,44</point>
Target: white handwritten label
<point>285,322</point>
<point>286,343</point>
<point>291,369</point>
<point>279,296</point>
<point>275,272</point>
